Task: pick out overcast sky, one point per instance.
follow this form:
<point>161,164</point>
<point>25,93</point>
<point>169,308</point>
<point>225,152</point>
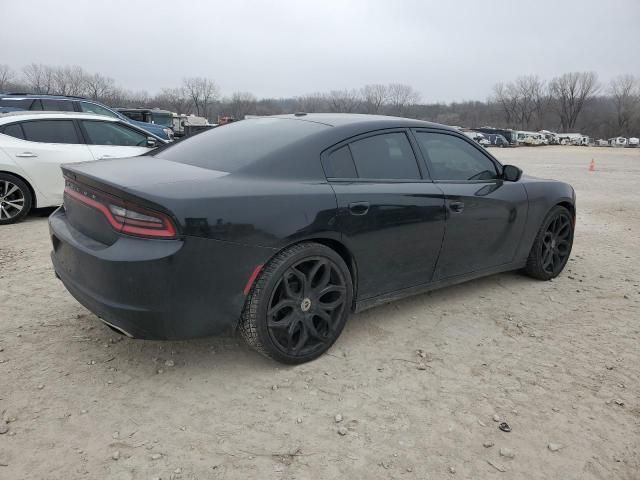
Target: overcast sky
<point>448,51</point>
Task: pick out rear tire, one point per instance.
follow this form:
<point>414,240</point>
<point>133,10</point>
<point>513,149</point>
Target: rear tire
<point>298,305</point>
<point>15,199</point>
<point>552,246</point>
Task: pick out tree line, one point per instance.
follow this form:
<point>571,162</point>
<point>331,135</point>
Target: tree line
<point>574,101</point>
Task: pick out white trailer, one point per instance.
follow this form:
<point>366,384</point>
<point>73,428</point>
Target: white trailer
<point>531,138</point>
<point>618,142</point>
<point>633,142</point>
<point>570,138</point>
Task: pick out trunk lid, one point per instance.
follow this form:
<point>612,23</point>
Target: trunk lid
<point>131,181</point>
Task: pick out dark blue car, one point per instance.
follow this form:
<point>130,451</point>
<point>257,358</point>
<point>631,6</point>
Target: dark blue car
<point>57,103</point>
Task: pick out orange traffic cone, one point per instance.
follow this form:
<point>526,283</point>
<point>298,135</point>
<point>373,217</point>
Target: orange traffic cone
<point>592,165</point>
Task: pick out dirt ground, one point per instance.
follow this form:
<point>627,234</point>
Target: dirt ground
<point>417,382</point>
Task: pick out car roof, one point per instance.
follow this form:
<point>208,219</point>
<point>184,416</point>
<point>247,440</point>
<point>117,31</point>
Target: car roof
<point>39,115</point>
<point>361,119</point>
<point>17,96</point>
<point>142,109</point>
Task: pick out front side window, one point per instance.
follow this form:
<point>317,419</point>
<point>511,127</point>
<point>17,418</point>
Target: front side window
<point>109,133</point>
<point>14,130</point>
<point>50,131</point>
<point>452,158</point>
<point>386,156</point>
<point>88,107</point>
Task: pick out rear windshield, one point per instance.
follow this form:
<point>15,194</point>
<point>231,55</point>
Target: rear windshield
<point>236,145</point>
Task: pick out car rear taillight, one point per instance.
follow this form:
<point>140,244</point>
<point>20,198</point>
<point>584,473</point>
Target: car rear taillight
<point>122,215</point>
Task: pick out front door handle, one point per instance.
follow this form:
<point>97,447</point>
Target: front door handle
<point>26,155</point>
<point>359,208</point>
<point>103,157</point>
<point>456,207</point>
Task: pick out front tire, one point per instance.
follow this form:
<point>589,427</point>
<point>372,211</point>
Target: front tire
<point>552,245</point>
<point>299,304</point>
<point>15,199</point>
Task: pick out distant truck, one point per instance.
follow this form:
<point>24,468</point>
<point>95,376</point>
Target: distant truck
<point>505,132</point>
<point>156,116</point>
<point>185,125</point>
<point>633,142</point>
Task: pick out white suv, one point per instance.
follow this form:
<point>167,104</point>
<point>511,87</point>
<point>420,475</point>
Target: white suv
<point>34,145</point>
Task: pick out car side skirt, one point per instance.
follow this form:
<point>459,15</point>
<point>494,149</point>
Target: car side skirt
<point>365,304</point>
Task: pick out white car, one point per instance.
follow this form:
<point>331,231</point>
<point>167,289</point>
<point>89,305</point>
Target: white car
<point>34,145</point>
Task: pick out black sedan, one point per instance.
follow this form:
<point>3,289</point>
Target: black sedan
<point>280,227</point>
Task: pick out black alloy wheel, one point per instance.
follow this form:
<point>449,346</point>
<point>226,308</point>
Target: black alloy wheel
<point>299,304</point>
<point>552,246</point>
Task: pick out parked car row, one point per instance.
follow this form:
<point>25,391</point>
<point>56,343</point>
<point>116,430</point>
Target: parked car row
<point>61,103</point>
<point>33,146</point>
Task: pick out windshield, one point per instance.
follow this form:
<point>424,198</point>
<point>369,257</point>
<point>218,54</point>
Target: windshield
<point>233,146</point>
<point>164,119</point>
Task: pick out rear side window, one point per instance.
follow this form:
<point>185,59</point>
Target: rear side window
<point>19,103</point>
<point>236,145</point>
<point>385,156</point>
<point>49,105</point>
<point>109,133</point>
<point>50,131</point>
<point>14,130</point>
<point>339,164</point>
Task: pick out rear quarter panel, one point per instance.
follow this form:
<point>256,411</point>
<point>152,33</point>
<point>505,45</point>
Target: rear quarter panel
<point>252,211</point>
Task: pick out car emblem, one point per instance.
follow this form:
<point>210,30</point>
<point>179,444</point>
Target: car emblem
<point>305,305</point>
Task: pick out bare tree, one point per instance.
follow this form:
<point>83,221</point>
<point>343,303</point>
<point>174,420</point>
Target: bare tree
<point>541,99</point>
<point>625,92</point>
<point>570,93</point>
<point>507,98</point>
<point>39,78</point>
<point>400,97</point>
<point>6,77</point>
<point>344,101</point>
<point>312,102</point>
<point>175,99</point>
<point>374,97</point>
<point>69,80</point>
<point>98,87</point>
<point>241,104</point>
<point>203,93</point>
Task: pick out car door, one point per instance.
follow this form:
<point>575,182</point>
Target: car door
<point>109,139</point>
<point>485,215</point>
<point>390,215</point>
<point>47,144</point>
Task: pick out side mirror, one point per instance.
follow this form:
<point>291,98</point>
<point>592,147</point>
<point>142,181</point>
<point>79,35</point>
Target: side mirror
<point>151,142</point>
<point>511,173</point>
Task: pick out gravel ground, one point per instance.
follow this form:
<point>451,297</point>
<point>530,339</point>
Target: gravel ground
<point>411,390</point>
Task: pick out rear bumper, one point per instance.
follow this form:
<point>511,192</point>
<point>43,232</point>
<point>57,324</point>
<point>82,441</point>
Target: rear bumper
<point>155,289</point>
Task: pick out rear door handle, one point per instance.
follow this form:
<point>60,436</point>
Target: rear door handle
<point>456,207</point>
<point>26,155</point>
<point>359,208</point>
<point>105,157</point>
